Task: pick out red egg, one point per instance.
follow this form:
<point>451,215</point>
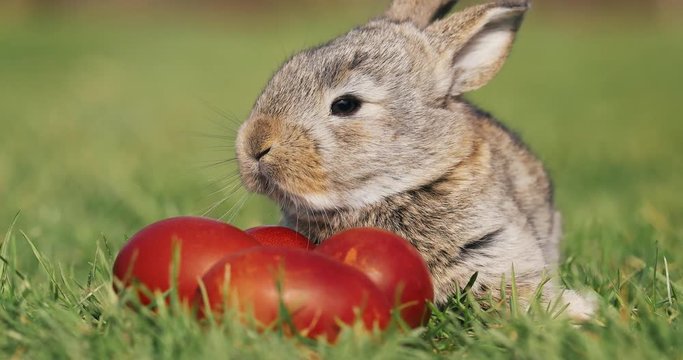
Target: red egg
<point>147,257</point>
<point>392,263</point>
<point>318,292</point>
<point>272,235</point>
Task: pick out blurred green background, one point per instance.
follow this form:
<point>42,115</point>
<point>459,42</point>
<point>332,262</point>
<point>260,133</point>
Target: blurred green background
<point>114,114</point>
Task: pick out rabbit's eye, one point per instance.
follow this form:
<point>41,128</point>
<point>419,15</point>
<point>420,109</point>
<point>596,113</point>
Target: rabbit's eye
<point>345,106</point>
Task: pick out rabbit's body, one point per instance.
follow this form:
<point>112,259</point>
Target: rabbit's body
<point>488,210</point>
<point>371,129</point>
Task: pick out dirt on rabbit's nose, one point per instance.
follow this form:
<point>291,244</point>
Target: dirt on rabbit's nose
<point>260,134</point>
<point>285,154</point>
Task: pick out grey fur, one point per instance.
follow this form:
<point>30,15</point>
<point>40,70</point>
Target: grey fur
<point>419,12</point>
<point>417,159</point>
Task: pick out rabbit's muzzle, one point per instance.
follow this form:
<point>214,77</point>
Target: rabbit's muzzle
<point>279,159</point>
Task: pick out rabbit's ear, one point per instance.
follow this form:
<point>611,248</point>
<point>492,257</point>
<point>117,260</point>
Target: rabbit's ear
<point>474,43</point>
<point>419,12</point>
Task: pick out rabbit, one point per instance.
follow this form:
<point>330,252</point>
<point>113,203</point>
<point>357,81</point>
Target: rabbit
<point>371,130</point>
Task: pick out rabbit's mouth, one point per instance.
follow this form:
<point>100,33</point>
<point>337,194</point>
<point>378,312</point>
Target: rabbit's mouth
<point>283,184</point>
<point>290,199</point>
<point>282,162</point>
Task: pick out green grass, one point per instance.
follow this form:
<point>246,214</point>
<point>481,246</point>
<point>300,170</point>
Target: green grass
<point>101,123</point>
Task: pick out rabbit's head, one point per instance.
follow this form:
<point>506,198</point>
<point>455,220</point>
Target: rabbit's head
<point>367,115</point>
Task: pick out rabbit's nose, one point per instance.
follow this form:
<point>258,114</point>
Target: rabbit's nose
<point>262,153</point>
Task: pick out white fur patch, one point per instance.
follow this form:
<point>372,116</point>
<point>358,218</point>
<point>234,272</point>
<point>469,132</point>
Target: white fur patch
<point>466,67</point>
<point>356,198</point>
<point>581,307</point>
<point>487,50</point>
<point>480,57</point>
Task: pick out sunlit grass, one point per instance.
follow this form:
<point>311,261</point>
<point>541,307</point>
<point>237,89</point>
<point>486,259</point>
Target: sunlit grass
<point>107,124</point>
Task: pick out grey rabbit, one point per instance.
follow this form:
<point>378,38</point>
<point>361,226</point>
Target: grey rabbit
<point>371,130</point>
